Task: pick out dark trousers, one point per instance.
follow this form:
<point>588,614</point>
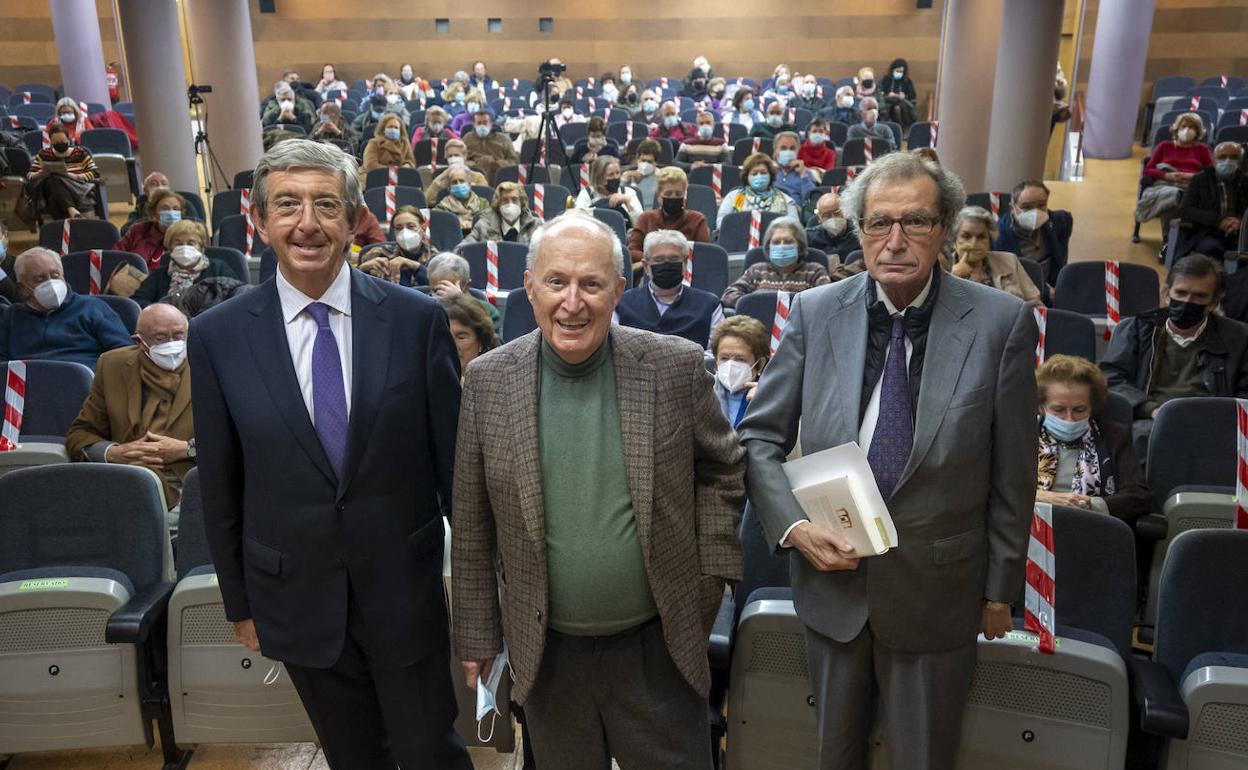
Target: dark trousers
<point>921,695</point>
<point>60,193</point>
<point>598,697</point>
<point>369,714</point>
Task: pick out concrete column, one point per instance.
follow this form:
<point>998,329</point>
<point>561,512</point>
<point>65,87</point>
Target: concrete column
<point>1116,80</point>
<point>76,28</point>
<point>964,102</point>
<point>1022,109</point>
<point>223,56</point>
<point>153,45</point>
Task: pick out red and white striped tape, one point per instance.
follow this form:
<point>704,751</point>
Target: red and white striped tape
<point>756,223</point>
<point>1243,117</point>
<point>95,262</point>
<point>688,279</point>
<point>792,115</point>
<point>589,82</point>
<point>522,174</point>
<point>65,238</point>
<point>1195,104</point>
<point>542,149</point>
<point>818,92</point>
<point>1241,463</point>
<point>515,82</point>
<point>47,140</point>
<point>14,403</point>
<point>491,271</point>
<point>1225,81</point>
<point>539,200</point>
<point>781,319</point>
<point>506,104</point>
<point>584,178</point>
<point>850,173</point>
<point>25,97</point>
<point>244,208</point>
<point>758,142</point>
<point>433,154</point>
<point>727,131</point>
<point>14,122</point>
<point>628,132</point>
<point>592,104</point>
<point>82,117</point>
<point>867,151</point>
<point>994,204</point>
<point>392,189</point>
<point>717,180</point>
<point>663,83</point>
<point>580,92</point>
<point>1041,314</point>
<point>1038,615</point>
<point>934,132</point>
<point>1112,307</point>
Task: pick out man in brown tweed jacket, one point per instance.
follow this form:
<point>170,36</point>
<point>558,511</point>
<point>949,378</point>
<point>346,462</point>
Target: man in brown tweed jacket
<point>597,478</point>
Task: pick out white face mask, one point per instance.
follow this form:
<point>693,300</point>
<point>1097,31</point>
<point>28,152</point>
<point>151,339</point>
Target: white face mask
<point>51,294</point>
<point>1186,134</point>
<point>455,160</point>
<point>734,375</point>
<point>1032,219</point>
<point>168,355</point>
<point>487,695</point>
<point>834,225</point>
<point>186,255</point>
<point>286,105</point>
<point>846,101</point>
<point>645,168</point>
<point>510,211</point>
<point>408,240</point>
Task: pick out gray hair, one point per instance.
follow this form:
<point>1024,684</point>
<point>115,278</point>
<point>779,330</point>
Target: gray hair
<point>38,251</point>
<point>787,223</point>
<point>786,135</point>
<point>306,154</point>
<point>901,167</point>
<point>67,101</point>
<point>656,238</point>
<point>449,262</point>
<point>281,86</point>
<point>975,214</point>
<point>578,220</point>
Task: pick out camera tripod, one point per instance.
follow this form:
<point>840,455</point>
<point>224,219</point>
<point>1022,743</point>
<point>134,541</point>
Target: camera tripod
<point>203,146</point>
<point>547,132</point>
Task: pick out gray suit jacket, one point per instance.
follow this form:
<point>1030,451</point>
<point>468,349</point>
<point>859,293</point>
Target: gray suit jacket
<point>963,506</point>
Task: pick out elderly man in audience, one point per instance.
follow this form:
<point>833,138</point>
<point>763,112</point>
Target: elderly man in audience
<point>1183,349</point>
<point>53,322</point>
<point>793,176</point>
<point>670,125</point>
<point>843,108</point>
<point>955,466</point>
<point>706,147</point>
<point>611,509</point>
<point>488,150</point>
<point>869,126</point>
<point>786,267</point>
<point>139,408</point>
<point>830,232</point>
<point>1084,461</point>
<point>151,182</point>
<point>774,122</point>
<point>663,303</point>
<point>1215,202</point>
<point>1032,230</point>
<point>285,109</point>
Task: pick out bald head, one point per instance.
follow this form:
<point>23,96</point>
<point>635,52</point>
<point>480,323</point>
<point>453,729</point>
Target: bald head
<point>592,236</point>
<point>829,205</point>
<point>1228,150</point>
<point>160,323</point>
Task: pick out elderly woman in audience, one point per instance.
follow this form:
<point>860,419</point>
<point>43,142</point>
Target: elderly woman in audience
<point>706,146</point>
<point>670,125</point>
<point>508,219</point>
<point>1084,462</point>
<point>69,116</point>
<point>759,193</point>
<point>378,88</point>
<point>462,200</point>
<point>630,99</point>
<point>786,267</point>
<point>1171,166</point>
<point>899,95</point>
<point>595,143</point>
<point>329,82</point>
<point>184,265</point>
<point>671,214</point>
<point>436,126</point>
<point>974,231</point>
<point>388,147</point>
<point>567,112</point>
<point>662,303</point>
<point>744,110</point>
<point>63,176</point>
<point>741,346</point>
<point>818,151</point>
<point>695,83</point>
<point>793,176</point>
<point>147,238</point>
<point>412,87</point>
<point>449,276</point>
<point>714,100</point>
<point>470,328</point>
<point>455,99</point>
<point>456,156</point>
<point>781,90</point>
<point>641,176</point>
<point>400,259</point>
<point>474,102</point>
<point>844,108</point>
<point>604,190</point>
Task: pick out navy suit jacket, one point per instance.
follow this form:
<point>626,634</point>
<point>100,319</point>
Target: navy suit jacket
<point>1056,238</point>
<point>289,539</point>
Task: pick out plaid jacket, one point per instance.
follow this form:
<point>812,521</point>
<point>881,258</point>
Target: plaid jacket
<point>685,476</point>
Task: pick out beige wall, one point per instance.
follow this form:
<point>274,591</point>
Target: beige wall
<point>29,51</point>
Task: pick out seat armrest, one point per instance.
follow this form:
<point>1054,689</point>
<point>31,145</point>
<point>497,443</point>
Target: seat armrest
<point>132,622</point>
<point>1151,526</point>
<point>720,651</point>
<point>1162,710</point>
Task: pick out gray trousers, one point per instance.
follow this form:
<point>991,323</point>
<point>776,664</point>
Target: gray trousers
<point>598,697</point>
<point>921,698</point>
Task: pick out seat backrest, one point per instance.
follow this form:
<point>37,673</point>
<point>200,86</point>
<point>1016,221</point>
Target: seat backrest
<point>701,199</point>
<point>554,199</point>
<point>18,160</point>
<point>192,539</point>
<point>1232,82</point>
<point>984,201</point>
<point>32,139</point>
<point>380,177</point>
<point>1231,134</point>
<point>233,234</point>
<point>244,178</point>
<point>1217,93</point>
<point>666,151</point>
<point>423,150</point>
<point>110,140</point>
<point>616,221</point>
<point>41,112</point>
<point>1069,333</point>
<point>84,234</point>
<point>126,309</point>
<point>920,135</point>
<point>620,133</point>
<point>1116,409</point>
<point>197,212</point>
<point>710,268</point>
<point>234,258</point>
<point>444,230</point>
<point>1192,443</point>
<point>375,199</point>
<point>761,566</point>
<point>1081,288</point>
<point>518,317</point>
<point>1035,272</point>
<point>1095,580</point>
<point>268,264</point>
<point>55,391</point>
<point>756,255</point>
<point>838,132</point>
<point>729,179</point>
<point>225,204</point>
<point>512,258</point>
<point>539,175</point>
<point>1174,85</point>
<point>734,230</point>
<point>76,267</point>
<point>84,515</point>
<point>570,132</point>
<point>1202,607</point>
<point>852,153</point>
<point>760,305</point>
<point>744,148</point>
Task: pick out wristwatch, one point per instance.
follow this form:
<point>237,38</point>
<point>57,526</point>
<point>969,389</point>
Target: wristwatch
<point>190,449</point>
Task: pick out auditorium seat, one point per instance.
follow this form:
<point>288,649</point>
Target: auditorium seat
<point>729,179</point>
<point>85,575</point>
<point>710,268</point>
<point>234,258</point>
<point>379,177</point>
<point>444,231</point>
<point>232,234</point>
<point>539,174</point>
<point>40,112</point>
<point>744,148</point>
<point>126,309</point>
<point>554,197</point>
<point>512,259</point>
<point>225,204</point>
<point>1081,289</point>
<point>701,198</point>
<point>1069,333</point>
<point>852,152</point>
<point>760,305</point>
<point>423,151</point>
<point>920,135</point>
<point>518,317</point>
<point>84,234</point>
<point>375,199</point>
<point>55,391</point>
<point>734,231</point>
<point>76,267</point>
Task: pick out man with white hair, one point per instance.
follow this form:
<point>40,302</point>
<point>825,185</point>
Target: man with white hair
<point>663,304</point>
<point>55,323</point>
<point>288,109</point>
<point>596,468</point>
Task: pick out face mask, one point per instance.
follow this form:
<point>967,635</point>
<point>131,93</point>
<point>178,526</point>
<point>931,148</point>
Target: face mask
<point>673,207</point>
<point>631,98</point>
<point>61,147</point>
<point>898,74</point>
<point>377,114</point>
<point>435,128</point>
<point>379,89</point>
<point>671,121</point>
<point>168,355</point>
<point>786,157</point>
<point>186,256</point>
<point>1186,134</point>
<point>168,218</point>
<point>1186,315</point>
<point>846,101</point>
<point>867,84</point>
<point>775,120</point>
<point>510,211</point>
<point>705,131</point>
<point>286,105</point>
<point>626,77</point>
<point>610,92</point>
<point>971,254</point>
<point>4,249</point>
<point>567,113</point>
<point>1032,219</point>
<point>782,89</point>
<point>612,185</point>
<point>392,98</point>
<point>871,116</point>
<point>817,139</point>
<point>459,97</point>
<point>482,131</point>
<point>408,240</point>
<point>734,375</point>
<point>782,254</point>
<point>455,160</point>
<point>717,94</point>
<point>473,108</point>
<point>1226,168</point>
<point>487,695</point>
<point>748,105</point>
<point>649,105</point>
<point>808,90</point>
<point>706,69</point>
<point>645,167</point>
<point>760,182</point>
<point>667,275</point>
<point>406,75</point>
<point>834,226</point>
<point>327,118</point>
<point>1064,430</point>
<point>596,142</point>
<point>391,133</point>
<point>461,190</point>
<point>51,293</point>
<point>67,117</point>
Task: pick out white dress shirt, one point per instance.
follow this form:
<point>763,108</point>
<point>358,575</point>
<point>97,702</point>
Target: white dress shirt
<point>301,330</point>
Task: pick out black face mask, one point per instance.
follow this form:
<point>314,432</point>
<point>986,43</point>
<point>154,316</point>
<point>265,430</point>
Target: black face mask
<point>60,146</point>
<point>613,186</point>
<point>1186,315</point>
<point>673,207</point>
<point>667,275</point>
<point>867,83</point>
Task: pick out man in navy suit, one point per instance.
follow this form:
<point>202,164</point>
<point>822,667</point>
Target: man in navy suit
<point>326,404</point>
<point>1032,230</point>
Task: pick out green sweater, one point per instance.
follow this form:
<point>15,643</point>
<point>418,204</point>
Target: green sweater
<point>597,574</point>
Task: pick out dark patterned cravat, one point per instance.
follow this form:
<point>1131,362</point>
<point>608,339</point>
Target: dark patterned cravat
<point>329,396</point>
<point>894,427</point>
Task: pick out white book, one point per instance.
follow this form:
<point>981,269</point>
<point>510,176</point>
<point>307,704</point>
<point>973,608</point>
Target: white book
<point>837,490</point>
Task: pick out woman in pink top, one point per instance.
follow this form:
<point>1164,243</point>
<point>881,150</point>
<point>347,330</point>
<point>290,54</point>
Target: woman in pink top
<point>1170,167</point>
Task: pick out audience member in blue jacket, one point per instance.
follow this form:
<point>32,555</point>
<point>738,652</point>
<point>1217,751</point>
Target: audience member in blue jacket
<point>662,304</point>
<point>1033,231</point>
<point>55,324</point>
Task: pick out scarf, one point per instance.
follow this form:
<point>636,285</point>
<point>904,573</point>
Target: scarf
<point>182,277</point>
<point>1087,480</point>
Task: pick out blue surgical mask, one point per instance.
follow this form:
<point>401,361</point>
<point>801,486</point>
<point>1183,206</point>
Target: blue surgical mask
<point>760,182</point>
<point>461,190</point>
<point>748,105</point>
<point>169,218</point>
<point>626,77</point>
<point>1226,168</point>
<point>482,131</point>
<point>786,157</point>
<point>1064,430</point>
<point>782,254</point>
<point>4,249</point>
<point>671,121</point>
<point>705,131</point>
<point>649,105</point>
<point>377,114</point>
<point>391,133</point>
<point>326,118</point>
<point>459,97</point>
<point>473,108</point>
<point>782,89</point>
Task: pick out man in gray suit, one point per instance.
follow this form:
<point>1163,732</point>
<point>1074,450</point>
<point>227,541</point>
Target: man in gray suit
<point>942,397</point>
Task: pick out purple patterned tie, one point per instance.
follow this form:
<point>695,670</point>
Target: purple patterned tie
<point>329,397</point>
<point>894,428</point>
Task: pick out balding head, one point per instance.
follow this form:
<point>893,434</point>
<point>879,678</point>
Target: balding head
<point>1228,150</point>
<point>594,237</point>
<point>161,322</point>
<point>829,205</point>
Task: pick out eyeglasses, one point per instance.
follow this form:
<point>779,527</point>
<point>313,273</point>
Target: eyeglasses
<point>880,226</point>
<point>326,208</point>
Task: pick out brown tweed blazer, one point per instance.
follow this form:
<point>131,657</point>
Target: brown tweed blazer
<point>685,475</point>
